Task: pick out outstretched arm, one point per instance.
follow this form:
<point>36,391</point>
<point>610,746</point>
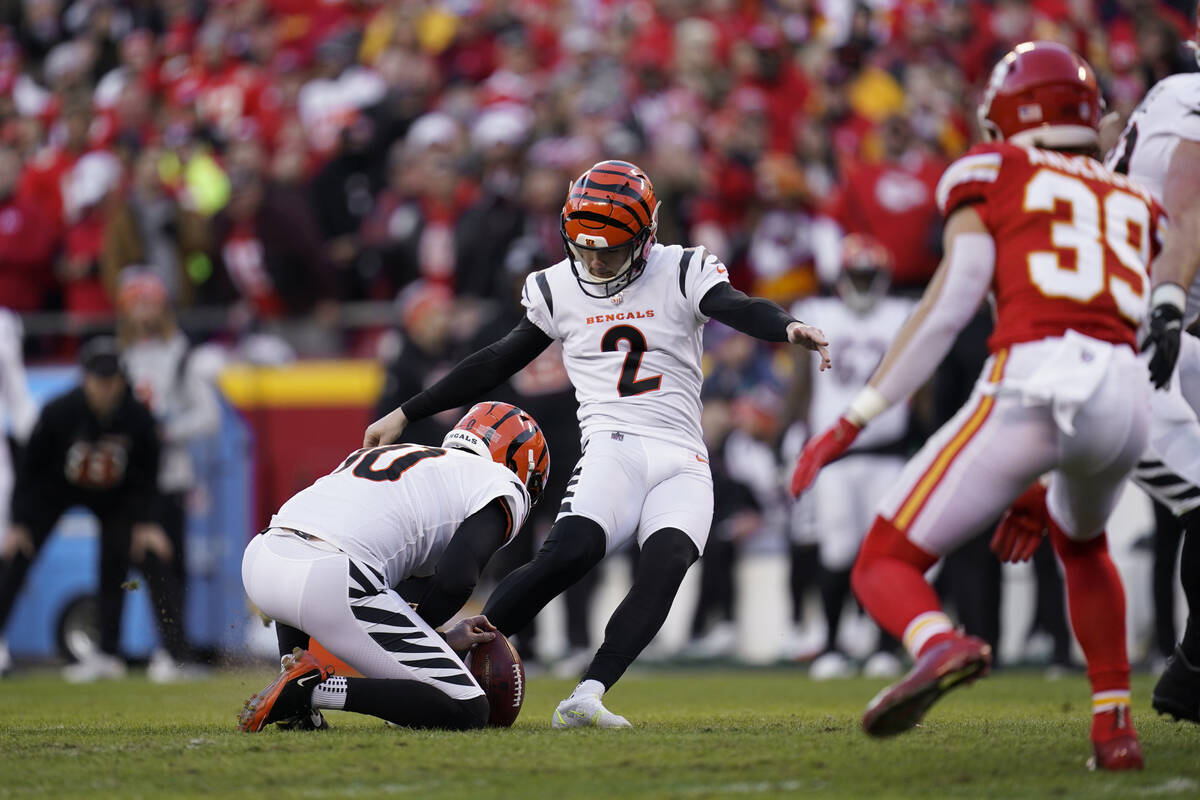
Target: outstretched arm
<point>762,319</point>
<point>959,286</point>
<point>1176,266</point>
<point>479,372</point>
<point>468,552</point>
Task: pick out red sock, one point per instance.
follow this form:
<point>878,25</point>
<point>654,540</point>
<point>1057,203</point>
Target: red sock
<point>1097,602</point>
<point>889,580</point>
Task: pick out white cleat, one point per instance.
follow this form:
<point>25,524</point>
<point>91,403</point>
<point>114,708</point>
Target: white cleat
<point>586,711</point>
<point>164,669</point>
<point>95,667</point>
<point>831,666</point>
<point>883,665</point>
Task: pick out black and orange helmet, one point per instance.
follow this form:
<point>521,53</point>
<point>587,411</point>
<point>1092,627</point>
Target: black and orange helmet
<point>611,212</point>
<point>866,271</point>
<point>508,436</point>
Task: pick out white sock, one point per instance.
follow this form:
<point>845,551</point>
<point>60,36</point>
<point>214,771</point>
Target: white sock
<point>589,687</point>
<point>922,628</point>
<point>330,693</point>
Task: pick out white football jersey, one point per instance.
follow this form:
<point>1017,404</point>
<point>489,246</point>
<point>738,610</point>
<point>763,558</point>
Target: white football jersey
<point>634,359</point>
<point>1169,113</point>
<point>17,408</point>
<point>857,343</point>
<point>397,506</point>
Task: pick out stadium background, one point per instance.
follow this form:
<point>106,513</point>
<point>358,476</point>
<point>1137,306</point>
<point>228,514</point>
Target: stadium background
<point>330,182</point>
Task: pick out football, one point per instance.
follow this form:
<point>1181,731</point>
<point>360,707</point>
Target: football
<point>501,675</point>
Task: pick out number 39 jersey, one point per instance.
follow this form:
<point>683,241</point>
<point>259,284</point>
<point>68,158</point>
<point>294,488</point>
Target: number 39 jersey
<point>396,507</point>
<point>1168,114</point>
<point>1073,241</point>
<point>634,359</point>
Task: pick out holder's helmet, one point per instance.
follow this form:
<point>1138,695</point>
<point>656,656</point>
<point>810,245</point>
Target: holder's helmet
<point>508,436</point>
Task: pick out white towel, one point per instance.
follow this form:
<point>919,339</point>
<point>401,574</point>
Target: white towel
<point>1066,379</point>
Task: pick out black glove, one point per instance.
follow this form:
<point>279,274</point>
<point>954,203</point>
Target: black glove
<point>1166,325</point>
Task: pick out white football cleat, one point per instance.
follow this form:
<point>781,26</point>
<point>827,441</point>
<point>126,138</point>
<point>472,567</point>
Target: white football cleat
<point>165,669</point>
<point>586,711</point>
<point>831,666</point>
<point>95,667</point>
<point>883,665</point>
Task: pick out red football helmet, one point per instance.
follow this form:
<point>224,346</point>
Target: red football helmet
<point>508,436</point>
<point>608,225</point>
<point>1042,94</point>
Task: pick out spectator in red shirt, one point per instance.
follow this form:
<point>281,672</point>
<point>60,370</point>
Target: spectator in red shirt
<point>269,263</point>
<point>27,243</point>
<point>894,202</point>
<point>88,192</point>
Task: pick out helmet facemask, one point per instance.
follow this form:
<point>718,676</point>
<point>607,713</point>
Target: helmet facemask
<point>604,271</point>
<point>862,287</point>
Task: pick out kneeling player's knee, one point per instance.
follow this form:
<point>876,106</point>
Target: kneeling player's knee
<point>473,713</point>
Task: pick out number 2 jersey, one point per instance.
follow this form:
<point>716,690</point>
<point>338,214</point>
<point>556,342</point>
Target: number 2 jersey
<point>396,507</point>
<point>634,360</point>
<point>1073,241</point>
<point>1167,115</point>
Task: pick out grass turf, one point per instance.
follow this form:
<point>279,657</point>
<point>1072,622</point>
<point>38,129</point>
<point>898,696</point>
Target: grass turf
<point>698,735</point>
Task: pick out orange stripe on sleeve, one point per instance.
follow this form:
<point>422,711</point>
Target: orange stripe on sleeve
<point>508,518</point>
<point>933,476</point>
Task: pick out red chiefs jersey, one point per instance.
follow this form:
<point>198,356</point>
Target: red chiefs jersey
<point>1073,241</point>
<point>893,201</point>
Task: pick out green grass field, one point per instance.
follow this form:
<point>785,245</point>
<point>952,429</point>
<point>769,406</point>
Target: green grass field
<point>698,735</point>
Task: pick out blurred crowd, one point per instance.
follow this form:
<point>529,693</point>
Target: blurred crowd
<point>277,159</point>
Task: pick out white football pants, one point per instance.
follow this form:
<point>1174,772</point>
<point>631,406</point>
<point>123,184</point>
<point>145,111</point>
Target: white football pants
<point>348,608</point>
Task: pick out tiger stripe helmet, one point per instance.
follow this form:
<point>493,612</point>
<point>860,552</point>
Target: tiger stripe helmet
<point>508,436</point>
<point>610,209</point>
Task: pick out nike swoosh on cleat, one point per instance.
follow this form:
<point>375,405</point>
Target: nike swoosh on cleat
<point>307,679</point>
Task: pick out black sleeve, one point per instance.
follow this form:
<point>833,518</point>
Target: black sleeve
<point>753,316</point>
<point>481,371</point>
<point>468,552</point>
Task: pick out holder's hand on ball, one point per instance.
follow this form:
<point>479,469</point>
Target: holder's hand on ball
<point>469,632</point>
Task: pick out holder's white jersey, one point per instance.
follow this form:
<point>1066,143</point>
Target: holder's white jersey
<point>634,359</point>
<point>1168,114</point>
<point>396,507</point>
<point>858,343</point>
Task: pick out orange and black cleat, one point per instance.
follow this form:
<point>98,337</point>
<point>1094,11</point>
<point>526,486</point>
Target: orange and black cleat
<point>288,696</point>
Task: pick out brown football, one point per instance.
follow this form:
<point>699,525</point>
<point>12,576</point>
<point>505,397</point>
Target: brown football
<point>501,675</point>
